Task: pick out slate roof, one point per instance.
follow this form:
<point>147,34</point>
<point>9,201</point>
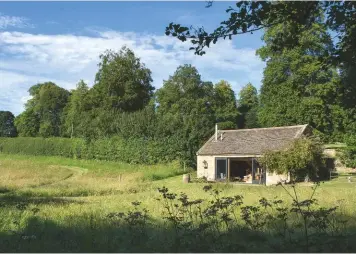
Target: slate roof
<point>252,141</point>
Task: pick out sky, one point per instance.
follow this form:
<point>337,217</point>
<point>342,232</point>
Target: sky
<point>61,42</point>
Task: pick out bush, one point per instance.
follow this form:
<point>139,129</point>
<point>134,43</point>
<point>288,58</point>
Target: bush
<point>303,159</point>
<point>136,151</point>
<point>214,224</point>
<point>37,146</point>
<point>348,155</point>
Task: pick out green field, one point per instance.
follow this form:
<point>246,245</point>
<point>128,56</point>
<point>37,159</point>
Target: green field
<point>74,197</point>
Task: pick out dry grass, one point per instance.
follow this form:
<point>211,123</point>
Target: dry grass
<point>16,174</point>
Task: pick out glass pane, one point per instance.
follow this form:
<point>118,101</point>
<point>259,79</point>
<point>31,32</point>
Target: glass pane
<point>221,168</point>
<point>257,175</point>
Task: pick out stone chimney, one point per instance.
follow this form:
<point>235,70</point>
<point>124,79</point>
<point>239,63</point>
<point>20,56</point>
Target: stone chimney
<point>216,132</point>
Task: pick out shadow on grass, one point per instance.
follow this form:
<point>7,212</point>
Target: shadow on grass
<point>94,232</point>
<point>89,233</point>
<point>5,190</point>
<point>13,200</point>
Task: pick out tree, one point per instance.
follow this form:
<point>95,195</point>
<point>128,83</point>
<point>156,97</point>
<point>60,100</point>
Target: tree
<point>248,106</point>
<point>138,124</point>
<point>294,90</point>
<point>348,154</point>
<point>7,127</point>
<point>52,99</point>
<point>185,110</point>
<point>74,111</point>
<point>304,158</point>
<point>224,105</point>
<point>43,113</point>
<point>251,118</point>
<point>248,17</point>
<point>122,82</point>
<point>122,86</point>
<point>342,20</point>
<point>27,123</point>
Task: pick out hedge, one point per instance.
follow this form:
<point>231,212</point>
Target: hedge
<point>139,151</point>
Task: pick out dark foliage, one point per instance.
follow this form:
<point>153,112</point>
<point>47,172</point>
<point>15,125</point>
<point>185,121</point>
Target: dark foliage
<point>7,126</point>
<point>215,224</point>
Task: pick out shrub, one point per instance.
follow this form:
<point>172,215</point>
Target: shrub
<point>302,226</point>
<point>348,155</point>
<point>303,159</point>
<point>37,146</point>
<point>132,150</point>
<point>172,169</point>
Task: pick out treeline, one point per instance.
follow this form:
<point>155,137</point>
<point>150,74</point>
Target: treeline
<point>121,108</point>
<point>297,88</point>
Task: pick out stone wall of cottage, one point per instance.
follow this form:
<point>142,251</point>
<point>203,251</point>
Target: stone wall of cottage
<point>209,171</point>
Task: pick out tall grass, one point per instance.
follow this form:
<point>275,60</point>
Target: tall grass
<point>57,176</point>
<point>72,215</point>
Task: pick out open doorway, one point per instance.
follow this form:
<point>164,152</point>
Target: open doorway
<point>246,170</point>
<point>240,170</point>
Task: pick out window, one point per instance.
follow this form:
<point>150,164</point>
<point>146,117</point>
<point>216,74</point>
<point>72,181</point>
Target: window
<point>221,168</point>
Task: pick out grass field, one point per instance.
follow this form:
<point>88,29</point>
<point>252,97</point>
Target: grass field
<point>74,197</point>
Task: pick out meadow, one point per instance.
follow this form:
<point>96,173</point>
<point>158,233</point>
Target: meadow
<point>55,204</point>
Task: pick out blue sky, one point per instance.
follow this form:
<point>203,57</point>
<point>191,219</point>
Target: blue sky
<point>61,42</point>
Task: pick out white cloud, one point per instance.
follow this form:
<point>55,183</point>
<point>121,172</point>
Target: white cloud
<point>13,21</point>
<point>26,59</point>
<point>14,89</point>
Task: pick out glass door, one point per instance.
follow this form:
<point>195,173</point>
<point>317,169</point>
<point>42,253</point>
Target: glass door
<point>221,168</point>
<point>258,176</point>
